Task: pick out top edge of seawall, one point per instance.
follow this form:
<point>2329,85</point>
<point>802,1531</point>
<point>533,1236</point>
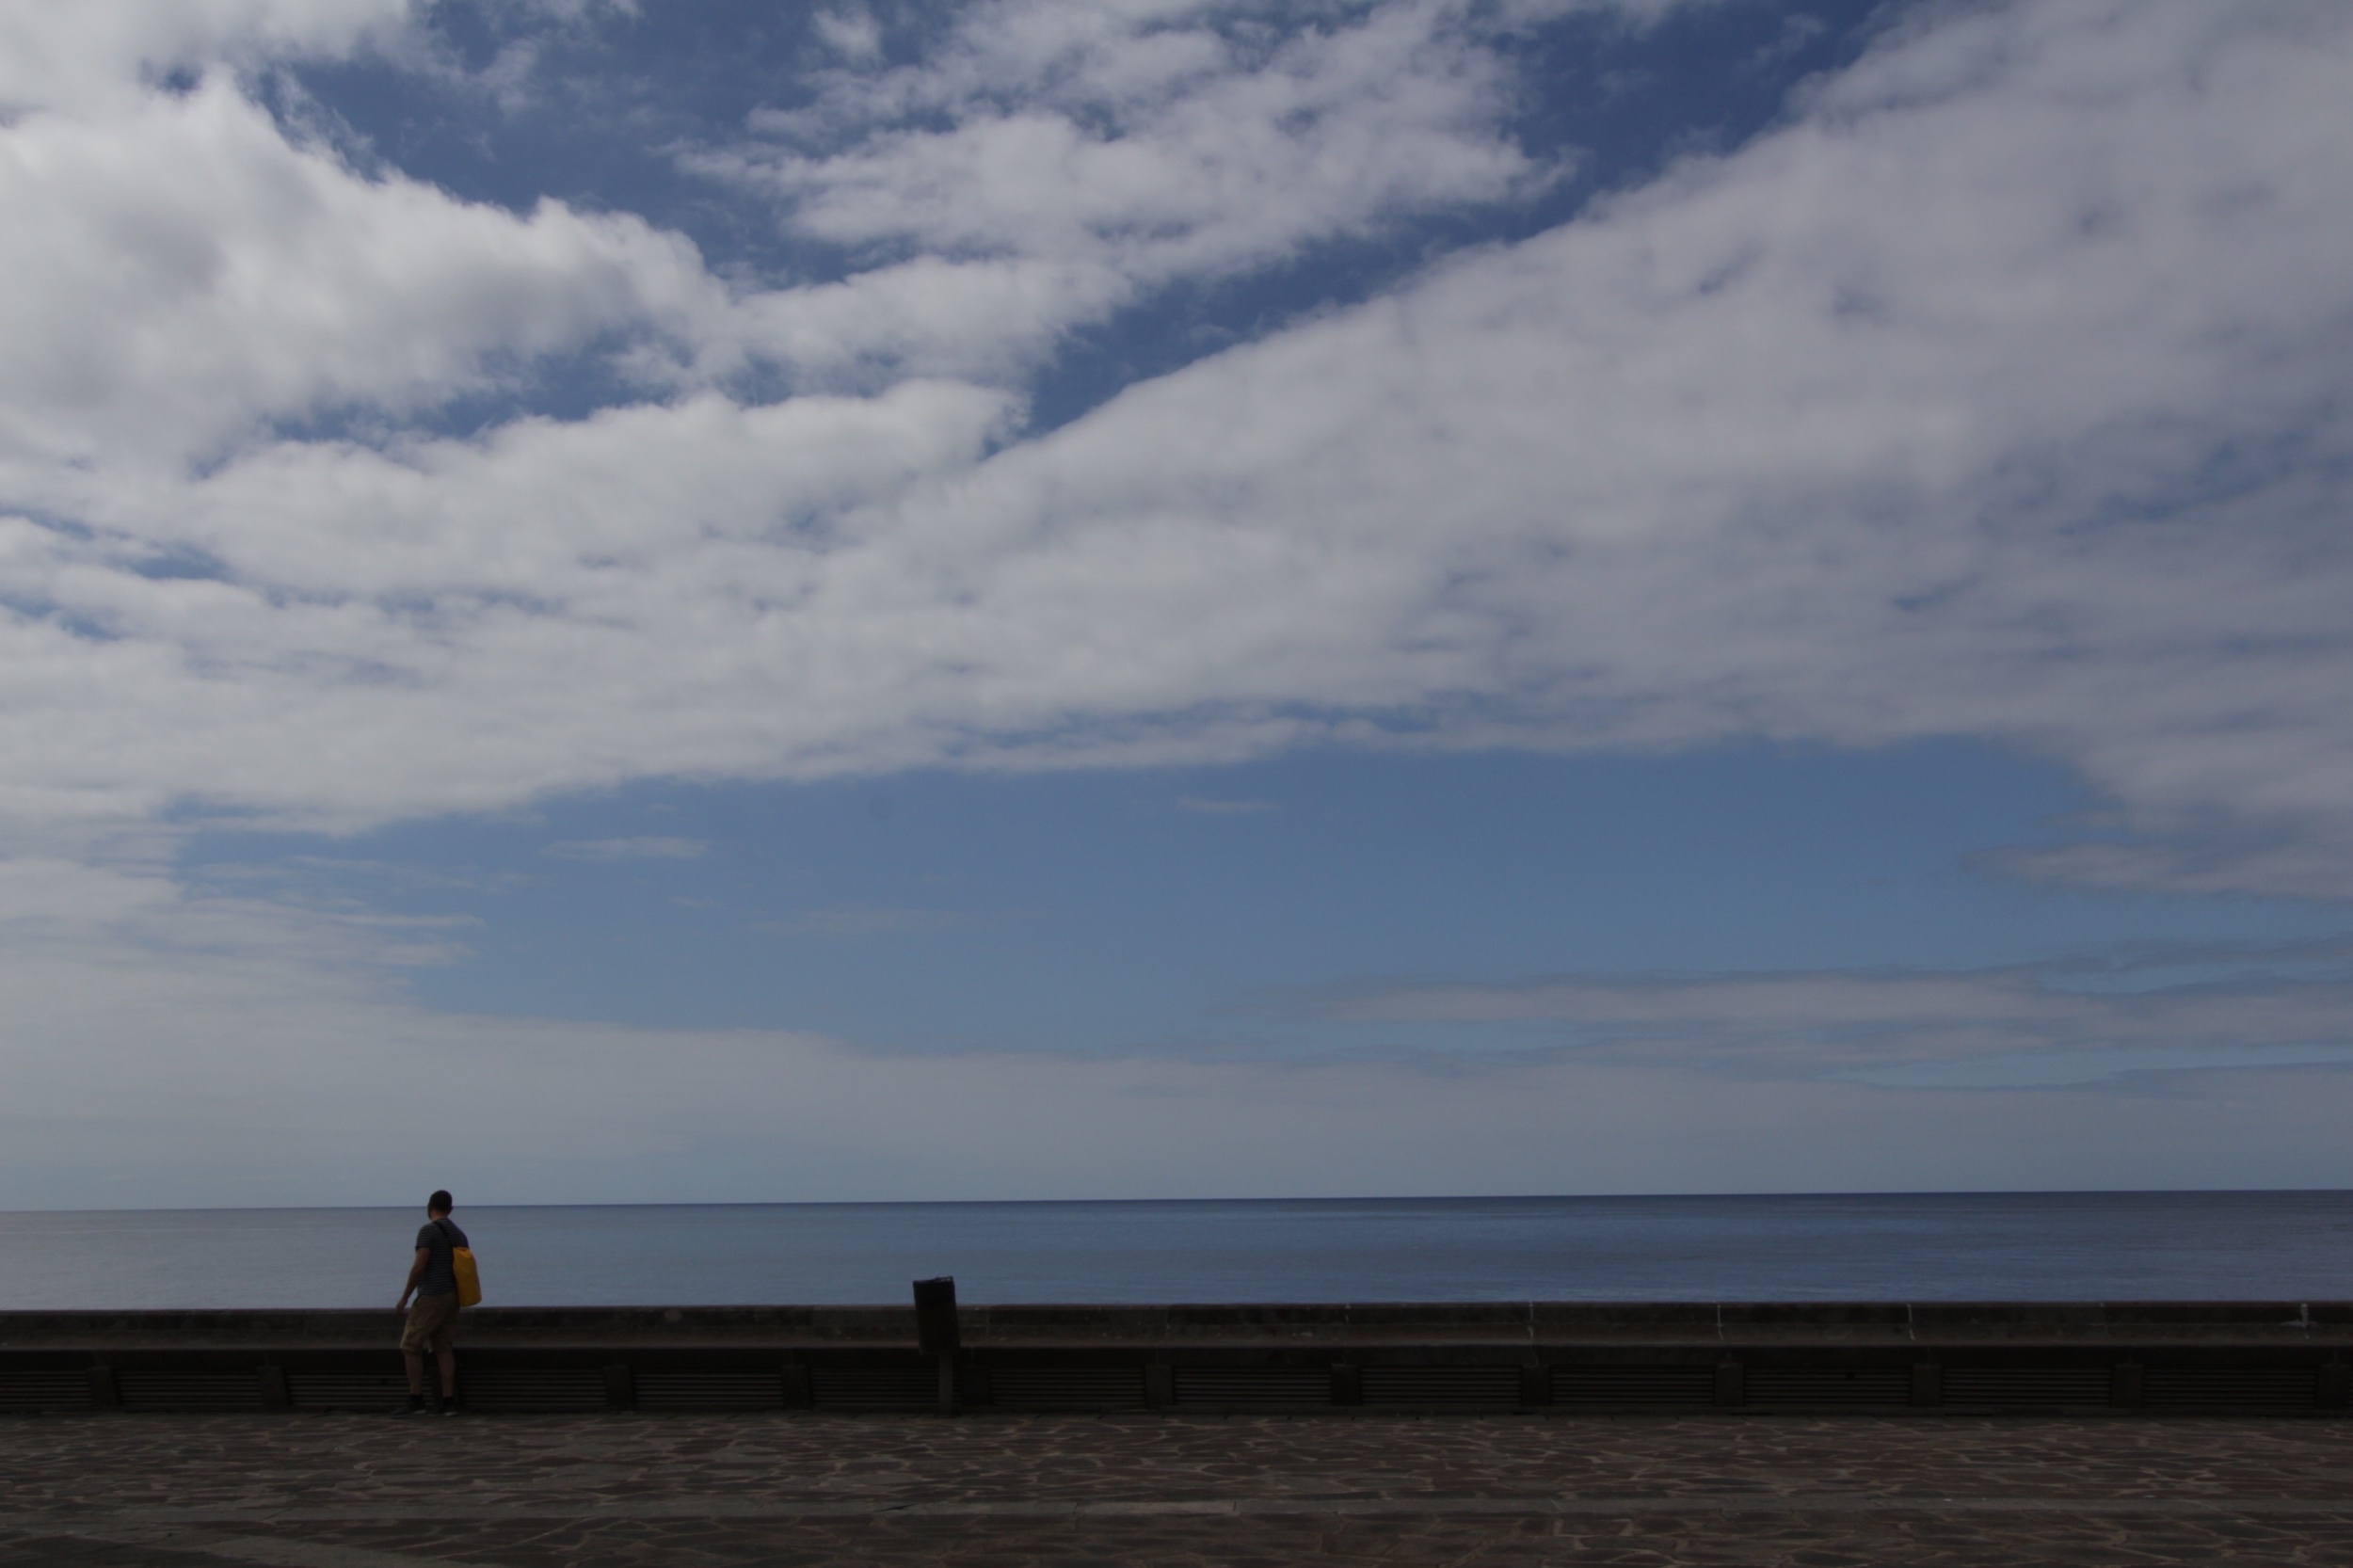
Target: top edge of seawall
<point>1234,1323</point>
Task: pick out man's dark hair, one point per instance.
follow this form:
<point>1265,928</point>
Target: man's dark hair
<point>438,1203</point>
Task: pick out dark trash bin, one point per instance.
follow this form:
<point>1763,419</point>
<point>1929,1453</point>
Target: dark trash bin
<point>935,1332</point>
<point>935,1316</point>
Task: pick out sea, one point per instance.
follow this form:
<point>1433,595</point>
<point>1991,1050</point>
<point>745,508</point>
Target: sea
<point>2008,1246</point>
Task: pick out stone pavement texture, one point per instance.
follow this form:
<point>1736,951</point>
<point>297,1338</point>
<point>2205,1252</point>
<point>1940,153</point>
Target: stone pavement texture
<point>1008,1492</point>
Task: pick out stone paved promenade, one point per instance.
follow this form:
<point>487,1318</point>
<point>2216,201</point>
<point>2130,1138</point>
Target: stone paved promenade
<point>998,1491</point>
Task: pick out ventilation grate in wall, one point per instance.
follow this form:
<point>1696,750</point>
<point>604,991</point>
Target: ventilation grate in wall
<point>1252,1387</point>
<point>189,1391</point>
<point>1829,1386</point>
<point>350,1391</point>
<point>721,1390</point>
<point>913,1386</point>
<point>1443,1387</point>
<point>2230,1388</point>
<point>1067,1387</point>
<point>2025,1387</point>
<point>522,1389</point>
<point>1680,1386</point>
<point>44,1390</point>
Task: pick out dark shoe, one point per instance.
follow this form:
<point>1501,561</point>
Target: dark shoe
<point>414,1407</point>
<point>449,1407</point>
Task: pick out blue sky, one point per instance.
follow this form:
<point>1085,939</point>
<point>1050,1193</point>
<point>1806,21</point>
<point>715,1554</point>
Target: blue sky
<point>1094,911</point>
<point>1173,598</point>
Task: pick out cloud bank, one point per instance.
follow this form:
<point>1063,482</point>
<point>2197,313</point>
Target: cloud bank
<point>2014,1026</point>
<point>247,1057</point>
<point>1997,393</point>
<point>2000,390</point>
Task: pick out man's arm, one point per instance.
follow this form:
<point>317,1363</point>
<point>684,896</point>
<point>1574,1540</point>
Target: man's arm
<point>416,1277</point>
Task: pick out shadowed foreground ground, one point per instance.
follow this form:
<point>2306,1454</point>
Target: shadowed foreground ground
<point>997,1492</point>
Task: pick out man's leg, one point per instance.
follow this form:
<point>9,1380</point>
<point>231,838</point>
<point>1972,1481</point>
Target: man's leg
<point>427,1329</point>
<point>448,1360</point>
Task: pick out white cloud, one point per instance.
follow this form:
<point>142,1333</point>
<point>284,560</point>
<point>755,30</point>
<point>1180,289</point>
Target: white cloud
<point>2022,1024</point>
<point>123,915</point>
<point>1051,161</point>
<point>103,53</point>
<point>1149,140</point>
<point>1990,398</point>
<point>851,32</point>
<point>180,275</point>
<point>366,594</point>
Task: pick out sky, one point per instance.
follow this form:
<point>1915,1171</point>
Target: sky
<point>612,601</point>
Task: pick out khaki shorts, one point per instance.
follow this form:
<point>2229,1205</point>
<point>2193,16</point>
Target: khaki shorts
<point>432,1325</point>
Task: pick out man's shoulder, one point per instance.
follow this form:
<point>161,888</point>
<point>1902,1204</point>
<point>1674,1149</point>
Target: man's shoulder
<point>429,1233</point>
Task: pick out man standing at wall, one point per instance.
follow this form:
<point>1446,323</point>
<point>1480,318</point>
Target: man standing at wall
<point>433,1321</point>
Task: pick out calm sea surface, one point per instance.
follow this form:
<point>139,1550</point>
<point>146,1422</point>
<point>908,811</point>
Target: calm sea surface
<point>2289,1246</point>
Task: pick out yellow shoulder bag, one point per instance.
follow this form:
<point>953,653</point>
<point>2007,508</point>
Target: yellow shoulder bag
<point>468,1277</point>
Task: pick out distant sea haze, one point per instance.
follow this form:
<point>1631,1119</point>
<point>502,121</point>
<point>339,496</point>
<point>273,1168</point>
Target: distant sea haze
<point>2030,1247</point>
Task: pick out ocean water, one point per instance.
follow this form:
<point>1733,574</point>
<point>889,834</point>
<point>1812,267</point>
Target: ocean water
<point>2047,1246</point>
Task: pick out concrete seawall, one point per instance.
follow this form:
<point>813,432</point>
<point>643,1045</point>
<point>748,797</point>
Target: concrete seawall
<point>1564,1359</point>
